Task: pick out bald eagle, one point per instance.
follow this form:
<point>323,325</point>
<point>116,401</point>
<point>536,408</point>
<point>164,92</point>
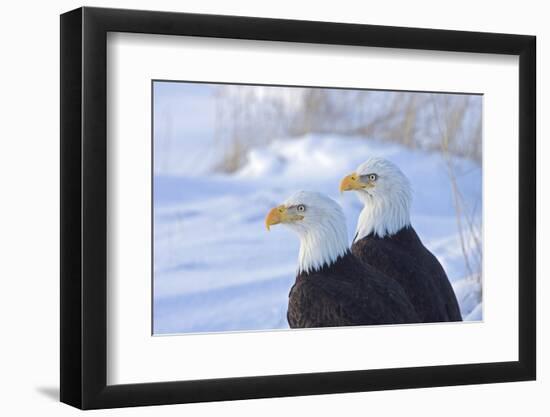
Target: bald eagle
<point>386,240</point>
<point>332,287</point>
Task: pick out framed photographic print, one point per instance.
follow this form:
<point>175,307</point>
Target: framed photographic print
<point>258,207</point>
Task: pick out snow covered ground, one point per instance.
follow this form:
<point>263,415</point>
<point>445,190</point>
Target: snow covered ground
<point>216,268</point>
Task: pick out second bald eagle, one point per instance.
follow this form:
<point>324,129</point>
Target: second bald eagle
<point>386,240</point>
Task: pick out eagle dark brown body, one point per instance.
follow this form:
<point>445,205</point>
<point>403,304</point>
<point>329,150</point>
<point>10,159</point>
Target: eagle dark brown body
<point>347,293</point>
<point>403,257</point>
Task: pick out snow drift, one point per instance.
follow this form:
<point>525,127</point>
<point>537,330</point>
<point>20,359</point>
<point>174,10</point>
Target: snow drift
<point>217,269</point>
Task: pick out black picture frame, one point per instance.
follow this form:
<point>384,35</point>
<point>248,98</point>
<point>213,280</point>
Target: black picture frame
<point>84,207</point>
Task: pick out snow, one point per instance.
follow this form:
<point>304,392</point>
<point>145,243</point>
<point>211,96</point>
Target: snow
<point>216,268</point>
<point>182,111</point>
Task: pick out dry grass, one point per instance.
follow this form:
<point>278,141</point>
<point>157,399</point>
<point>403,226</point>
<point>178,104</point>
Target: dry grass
<point>246,120</point>
<point>468,230</point>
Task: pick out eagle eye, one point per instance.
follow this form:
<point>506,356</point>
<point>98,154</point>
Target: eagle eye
<point>301,208</point>
<point>373,177</point>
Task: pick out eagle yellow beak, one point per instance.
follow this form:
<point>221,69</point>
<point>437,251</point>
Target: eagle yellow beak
<point>275,216</point>
<point>352,182</point>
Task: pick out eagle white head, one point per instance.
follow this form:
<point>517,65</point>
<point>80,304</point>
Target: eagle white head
<point>386,194</point>
<point>320,224</point>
